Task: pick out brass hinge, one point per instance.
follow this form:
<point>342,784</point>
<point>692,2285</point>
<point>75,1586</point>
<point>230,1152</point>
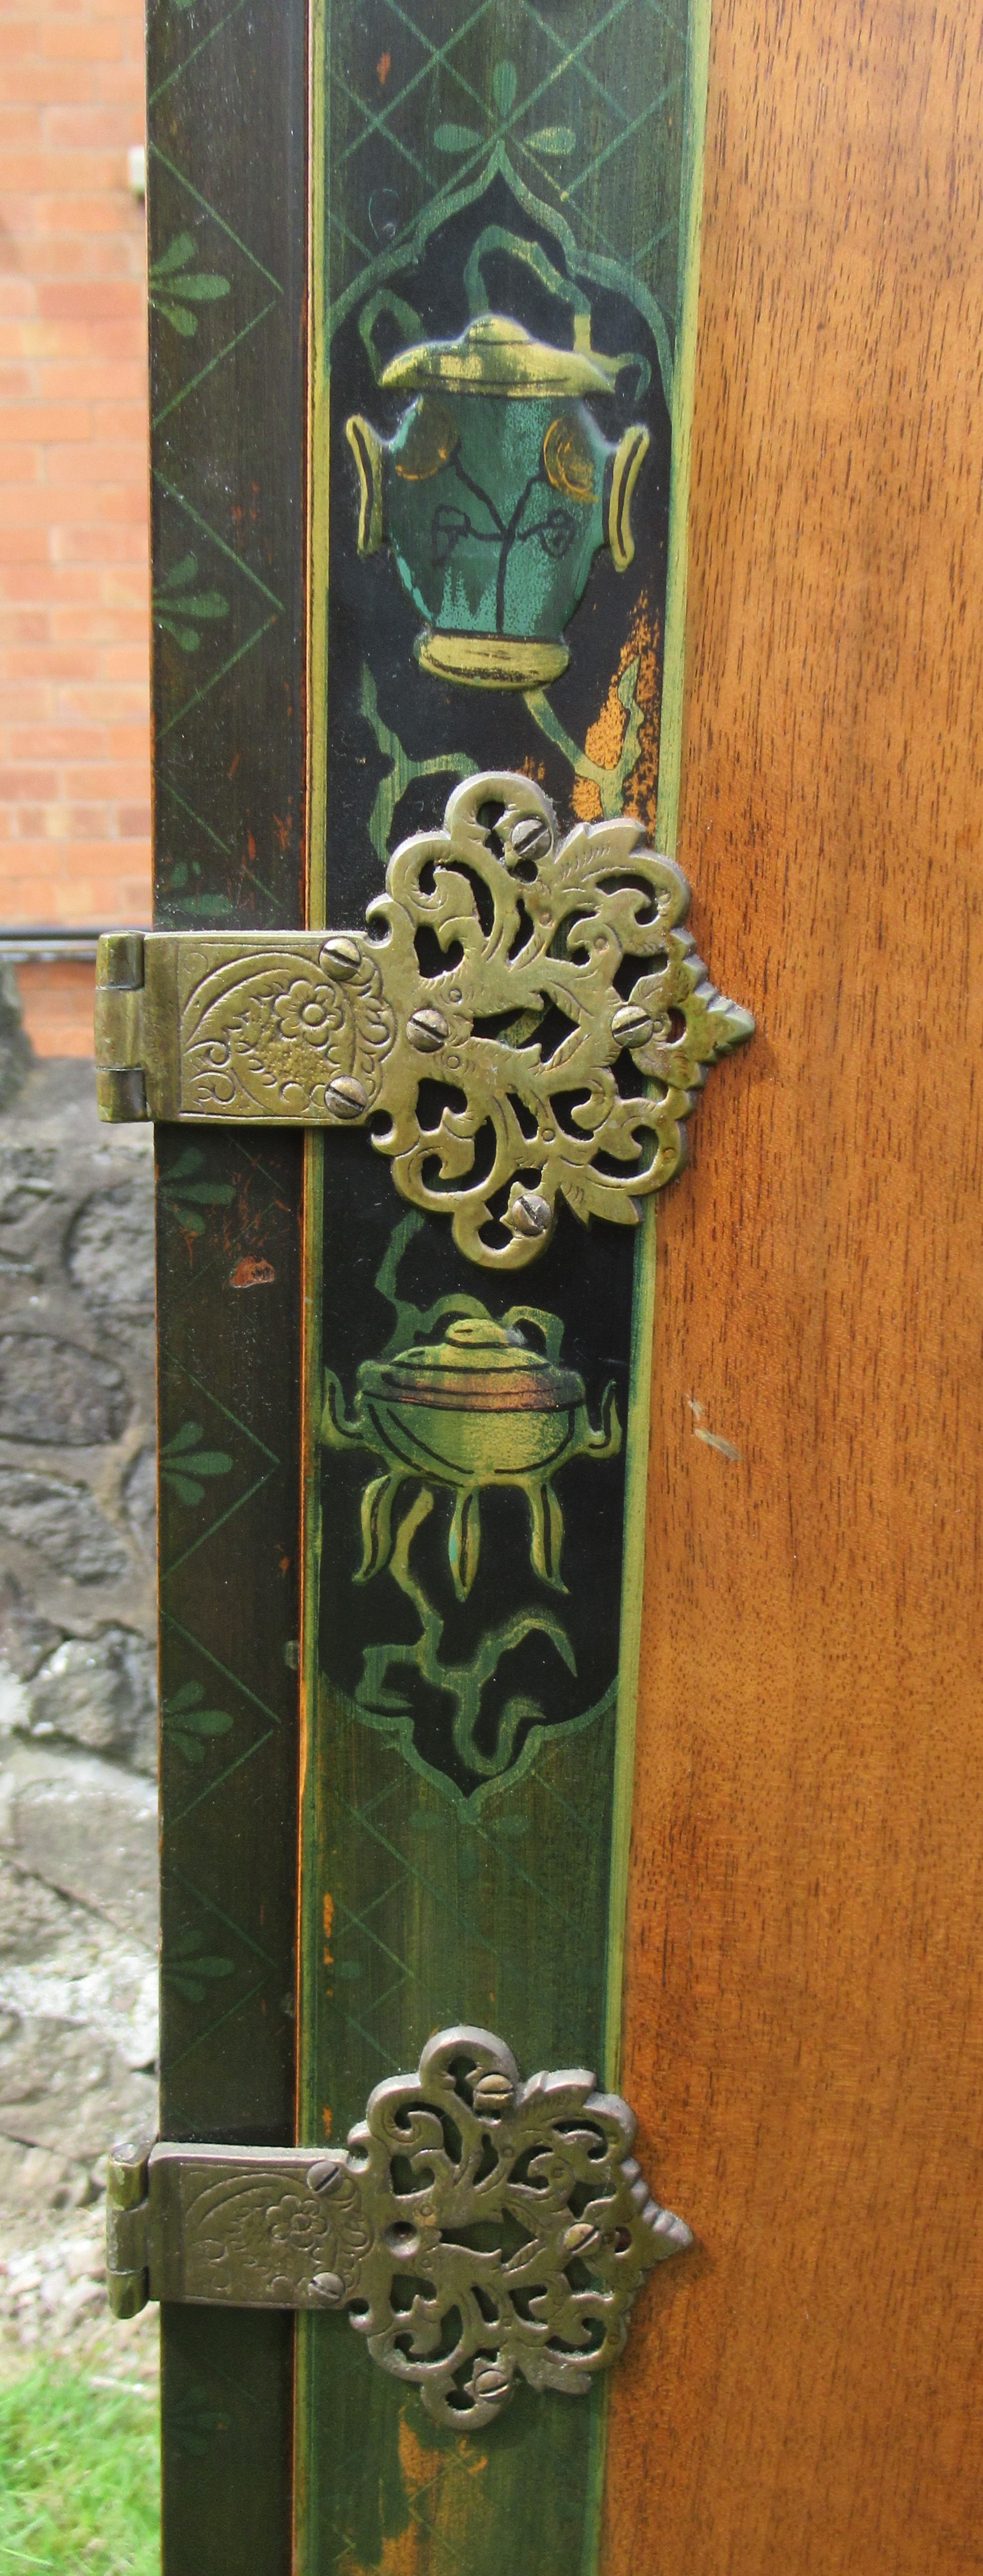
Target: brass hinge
<point>341,1028</point>
<point>382,2227</point>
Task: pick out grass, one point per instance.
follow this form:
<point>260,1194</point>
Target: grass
<point>79,2481</point>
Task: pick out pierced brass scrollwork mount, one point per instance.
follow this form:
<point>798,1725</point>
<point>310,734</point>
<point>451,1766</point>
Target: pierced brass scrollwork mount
<point>478,2229</point>
<point>524,1020</point>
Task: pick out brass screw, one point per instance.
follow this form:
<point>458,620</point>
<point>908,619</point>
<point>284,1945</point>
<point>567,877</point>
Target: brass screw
<point>631,1025</point>
<point>324,2176</point>
<point>341,957</point>
<point>330,2287</point>
<point>492,2381</point>
<point>532,839</point>
<point>345,1097</point>
<point>494,2094</point>
<point>580,2236</point>
<point>530,1214</point>
<point>427,1030</point>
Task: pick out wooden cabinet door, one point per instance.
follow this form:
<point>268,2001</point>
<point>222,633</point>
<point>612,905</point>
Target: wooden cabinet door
<point>567,1609</point>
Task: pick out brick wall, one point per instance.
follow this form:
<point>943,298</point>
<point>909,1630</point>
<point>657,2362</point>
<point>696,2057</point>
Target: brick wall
<point>74,725</point>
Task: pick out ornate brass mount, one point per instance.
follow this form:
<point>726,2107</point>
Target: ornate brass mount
<point>387,2228</point>
<point>569,1029</point>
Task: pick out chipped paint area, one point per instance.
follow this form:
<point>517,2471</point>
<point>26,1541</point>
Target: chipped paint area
<point>411,2551</point>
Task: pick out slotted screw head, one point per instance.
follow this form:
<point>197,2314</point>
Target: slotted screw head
<point>491,2381</point>
<point>341,957</point>
<point>532,839</point>
<point>530,1214</point>
<point>578,2237</point>
<point>330,2287</point>
<point>325,2175</point>
<point>345,1097</point>
<point>493,2094</point>
<point>427,1029</point>
<point>631,1025</point>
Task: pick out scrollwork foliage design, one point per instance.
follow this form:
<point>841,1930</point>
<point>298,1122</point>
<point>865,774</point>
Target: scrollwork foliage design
<point>547,987</point>
<point>479,2230</point>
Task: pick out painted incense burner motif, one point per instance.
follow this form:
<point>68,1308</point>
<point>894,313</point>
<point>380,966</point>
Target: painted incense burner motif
<point>495,493</point>
<point>480,1408</point>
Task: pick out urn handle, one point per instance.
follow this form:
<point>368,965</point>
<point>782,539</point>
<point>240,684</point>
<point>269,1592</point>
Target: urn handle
<point>626,466</point>
<point>367,451</point>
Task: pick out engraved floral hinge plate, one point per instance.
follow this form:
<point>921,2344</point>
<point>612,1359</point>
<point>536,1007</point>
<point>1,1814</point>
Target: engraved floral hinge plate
<point>477,2229</point>
<point>525,1019</point>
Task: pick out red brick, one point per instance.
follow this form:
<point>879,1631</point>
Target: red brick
<point>23,545</point>
<point>81,212</point>
<point>58,1013</point>
<point>61,662</point>
<point>18,125</point>
<point>74,731</point>
<point>45,421</point>
<point>18,40</point>
<point>53,584</point>
<point>107,779</point>
<point>25,626</point>
<point>100,703</point>
<point>42,82</point>
<point>98,300</point>
<point>17,783</point>
<point>19,462</point>
<point>79,44</point>
<point>29,702</point>
<point>94,128</point>
<point>112,627</point>
<point>124,80</point>
<point>122,544</point>
<point>56,742</point>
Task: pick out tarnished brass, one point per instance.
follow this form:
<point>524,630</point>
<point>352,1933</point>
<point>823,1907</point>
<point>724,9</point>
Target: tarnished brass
<point>478,2229</point>
<point>568,968</point>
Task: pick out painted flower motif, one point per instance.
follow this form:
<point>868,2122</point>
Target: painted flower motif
<point>306,1012</point>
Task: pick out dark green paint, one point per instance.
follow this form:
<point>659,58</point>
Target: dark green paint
<point>453,1896</point>
<point>433,1893</point>
<point>226,214</point>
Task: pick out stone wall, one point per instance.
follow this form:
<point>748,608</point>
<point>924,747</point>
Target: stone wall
<point>77,1671</point>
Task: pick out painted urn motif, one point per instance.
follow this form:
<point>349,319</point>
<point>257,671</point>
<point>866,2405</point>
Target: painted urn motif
<point>477,1409</point>
<point>494,495</point>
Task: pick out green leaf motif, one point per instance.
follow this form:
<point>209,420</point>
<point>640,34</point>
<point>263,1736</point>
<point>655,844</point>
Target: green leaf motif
<point>186,1196</point>
<point>190,1969</point>
<point>182,1463</point>
<point>176,603</point>
<point>177,255</point>
<point>191,2421</point>
<point>174,287</point>
<point>505,82</point>
<point>555,140</point>
<point>177,315</point>
<point>456,138</point>
<point>186,1723</point>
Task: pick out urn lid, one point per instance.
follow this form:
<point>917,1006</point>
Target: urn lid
<point>496,356</point>
<point>478,1367</point>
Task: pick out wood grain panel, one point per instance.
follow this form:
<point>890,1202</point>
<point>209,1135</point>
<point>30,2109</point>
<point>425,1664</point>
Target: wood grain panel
<point>802,2025</point>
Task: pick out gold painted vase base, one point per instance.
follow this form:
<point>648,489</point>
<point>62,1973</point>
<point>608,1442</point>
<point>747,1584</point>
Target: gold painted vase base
<point>491,661</point>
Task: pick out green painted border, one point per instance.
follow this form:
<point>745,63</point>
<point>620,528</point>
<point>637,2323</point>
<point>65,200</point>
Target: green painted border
<point>644,1317</point>
<point>318,499</point>
<point>684,382</point>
